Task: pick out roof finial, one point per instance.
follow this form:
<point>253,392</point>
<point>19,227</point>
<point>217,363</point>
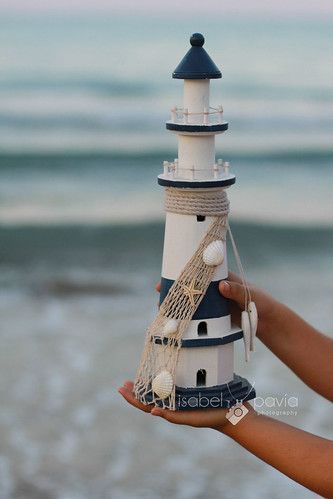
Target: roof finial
<point>197,40</point>
<point>196,64</point>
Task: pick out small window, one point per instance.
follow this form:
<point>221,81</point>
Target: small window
<point>201,218</point>
<point>202,329</point>
<point>201,377</point>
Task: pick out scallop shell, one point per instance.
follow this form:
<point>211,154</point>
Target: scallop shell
<point>213,255</point>
<point>162,384</point>
<point>170,327</point>
<point>246,327</point>
<point>253,314</point>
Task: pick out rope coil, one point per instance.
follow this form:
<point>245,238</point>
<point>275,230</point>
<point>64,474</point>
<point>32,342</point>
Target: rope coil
<point>207,202</point>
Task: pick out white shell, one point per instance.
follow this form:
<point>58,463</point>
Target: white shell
<point>246,327</point>
<point>170,327</point>
<point>162,384</point>
<point>213,255</point>
<point>253,314</point>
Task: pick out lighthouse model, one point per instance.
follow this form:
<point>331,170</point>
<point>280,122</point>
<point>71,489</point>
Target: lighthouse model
<point>188,358</point>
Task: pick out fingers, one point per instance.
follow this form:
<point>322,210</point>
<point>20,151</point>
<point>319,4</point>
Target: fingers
<point>158,286</point>
<point>233,290</point>
<point>176,417</point>
<point>129,384</point>
<point>209,418</point>
<point>234,277</point>
<point>126,391</point>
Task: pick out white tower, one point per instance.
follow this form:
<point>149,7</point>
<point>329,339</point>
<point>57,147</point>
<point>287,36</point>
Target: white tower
<point>204,375</point>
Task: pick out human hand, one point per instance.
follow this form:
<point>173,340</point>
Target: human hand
<point>271,313</point>
<point>204,418</point>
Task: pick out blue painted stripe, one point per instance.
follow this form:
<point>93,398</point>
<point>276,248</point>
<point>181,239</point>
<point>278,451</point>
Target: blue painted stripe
<point>210,342</point>
<point>212,306</point>
<point>196,184</point>
<point>203,342</point>
<point>180,127</point>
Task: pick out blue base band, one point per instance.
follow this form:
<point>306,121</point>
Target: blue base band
<point>213,397</point>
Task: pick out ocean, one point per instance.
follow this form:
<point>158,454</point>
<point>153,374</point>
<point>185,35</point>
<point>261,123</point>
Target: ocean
<point>83,105</point>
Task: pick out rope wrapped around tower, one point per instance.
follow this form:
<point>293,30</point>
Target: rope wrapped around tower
<point>207,202</point>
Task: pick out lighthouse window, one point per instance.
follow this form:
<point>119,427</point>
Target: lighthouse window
<point>202,329</point>
<point>201,218</point>
<point>201,377</point>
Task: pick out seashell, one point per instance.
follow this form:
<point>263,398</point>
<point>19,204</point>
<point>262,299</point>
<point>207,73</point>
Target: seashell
<point>246,327</point>
<point>162,384</point>
<point>170,327</point>
<point>213,255</point>
<point>253,314</point>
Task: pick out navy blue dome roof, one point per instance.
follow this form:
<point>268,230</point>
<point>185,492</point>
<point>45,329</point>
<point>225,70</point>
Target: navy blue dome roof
<point>196,64</point>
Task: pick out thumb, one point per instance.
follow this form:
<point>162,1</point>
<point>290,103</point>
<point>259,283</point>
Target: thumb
<point>234,291</point>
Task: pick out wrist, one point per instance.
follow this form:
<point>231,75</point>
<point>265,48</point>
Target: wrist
<point>276,320</point>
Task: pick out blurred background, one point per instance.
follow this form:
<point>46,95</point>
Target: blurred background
<point>85,90</point>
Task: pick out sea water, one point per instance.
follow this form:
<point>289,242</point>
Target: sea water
<point>83,101</point>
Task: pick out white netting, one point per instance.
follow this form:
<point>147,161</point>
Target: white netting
<point>161,351</point>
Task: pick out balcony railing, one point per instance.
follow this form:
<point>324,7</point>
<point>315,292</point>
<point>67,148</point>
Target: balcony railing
<point>209,116</point>
<point>217,171</point>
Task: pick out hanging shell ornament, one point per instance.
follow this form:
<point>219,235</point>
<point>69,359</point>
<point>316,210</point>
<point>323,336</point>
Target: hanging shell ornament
<point>246,327</point>
<point>253,314</point>
<point>162,384</point>
<point>213,255</point>
<point>170,327</point>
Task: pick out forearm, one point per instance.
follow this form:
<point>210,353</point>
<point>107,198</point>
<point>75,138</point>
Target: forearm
<point>306,351</point>
<point>303,349</point>
<point>304,457</point>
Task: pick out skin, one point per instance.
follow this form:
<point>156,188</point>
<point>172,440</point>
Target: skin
<point>304,457</point>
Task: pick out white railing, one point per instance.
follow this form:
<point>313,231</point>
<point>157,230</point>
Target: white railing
<point>218,170</point>
<point>209,116</point>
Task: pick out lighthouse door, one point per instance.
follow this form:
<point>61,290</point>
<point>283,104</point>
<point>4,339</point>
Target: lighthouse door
<point>201,377</point>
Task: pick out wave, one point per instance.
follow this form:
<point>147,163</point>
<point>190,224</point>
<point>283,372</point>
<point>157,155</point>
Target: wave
<point>76,122</point>
<point>70,158</point>
<point>97,86</point>
<point>101,245</point>
<point>117,87</point>
<point>273,91</point>
<point>149,121</point>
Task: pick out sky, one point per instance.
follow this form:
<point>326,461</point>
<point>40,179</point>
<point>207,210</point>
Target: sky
<point>281,8</point>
